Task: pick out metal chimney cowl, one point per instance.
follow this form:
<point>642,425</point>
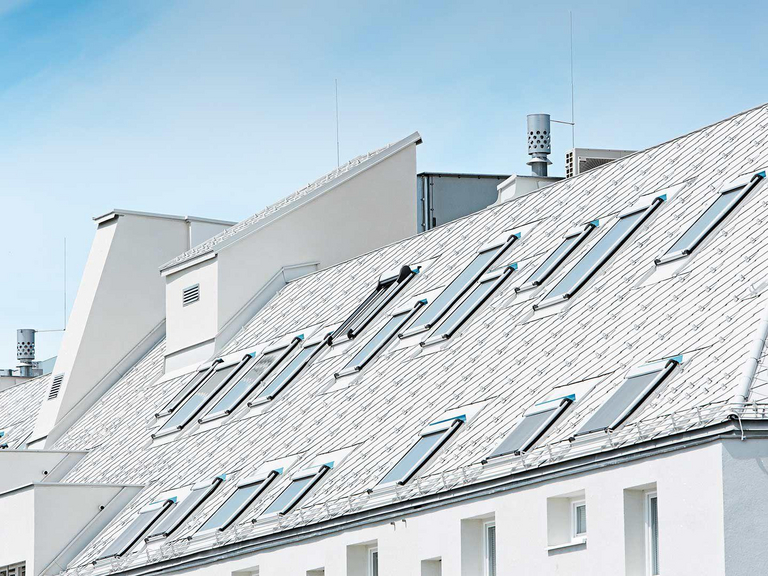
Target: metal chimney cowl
<point>25,351</point>
<point>539,143</point>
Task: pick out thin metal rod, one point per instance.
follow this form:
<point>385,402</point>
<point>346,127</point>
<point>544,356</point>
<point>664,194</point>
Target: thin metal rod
<point>573,119</point>
<point>338,155</point>
<point>65,282</point>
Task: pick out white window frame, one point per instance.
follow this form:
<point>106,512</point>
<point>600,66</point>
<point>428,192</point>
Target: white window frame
<point>577,536</point>
<point>649,546</point>
<point>486,548</point>
<point>371,551</point>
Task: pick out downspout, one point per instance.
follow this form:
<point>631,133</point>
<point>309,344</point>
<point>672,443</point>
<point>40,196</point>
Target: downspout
<point>753,361</point>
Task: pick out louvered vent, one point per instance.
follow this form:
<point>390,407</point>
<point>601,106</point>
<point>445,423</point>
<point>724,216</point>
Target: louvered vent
<point>55,386</point>
<point>191,294</point>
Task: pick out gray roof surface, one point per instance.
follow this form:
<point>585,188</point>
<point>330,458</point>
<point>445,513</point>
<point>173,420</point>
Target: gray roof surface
<point>499,359</point>
<point>312,189</point>
<point>19,406</point>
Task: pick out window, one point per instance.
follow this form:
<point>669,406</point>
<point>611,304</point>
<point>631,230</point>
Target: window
<point>573,239</point>
<point>301,483</point>
<point>380,340</point>
<point>611,242</point>
<point>729,197</point>
<point>287,374</point>
<point>213,384</point>
<point>483,261</point>
<point>133,533</point>
<point>247,492</point>
<point>636,388</point>
<point>184,509</point>
<point>533,426</point>
<point>489,533</point>
<point>652,523</point>
<point>186,391</point>
<point>390,284</point>
<point>485,288</point>
<point>373,562</point>
<point>431,440</point>
<point>579,519</point>
<point>254,373</point>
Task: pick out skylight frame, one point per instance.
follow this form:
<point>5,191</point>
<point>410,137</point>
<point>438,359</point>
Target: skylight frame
<point>316,473</point>
<point>644,209</point>
<point>189,388</point>
<point>220,365</point>
<point>263,480</point>
<point>663,369</point>
<point>156,509</point>
<point>495,278</point>
<point>576,236</point>
<point>499,246</point>
<point>390,284</point>
<point>406,315</point>
<point>740,188</point>
<point>204,489</point>
<point>240,398</point>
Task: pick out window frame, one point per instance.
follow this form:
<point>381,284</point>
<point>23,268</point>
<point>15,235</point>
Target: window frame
<point>647,207</point>
<point>406,313</point>
<point>741,188</point>
<point>580,233</point>
<point>316,473</point>
<point>487,571</point>
<point>497,277</point>
<point>575,534</point>
<point>187,390</point>
<point>160,508</point>
<point>652,543</point>
<point>208,486</point>
<point>373,565</point>
<point>362,316</point>
<point>500,245</point>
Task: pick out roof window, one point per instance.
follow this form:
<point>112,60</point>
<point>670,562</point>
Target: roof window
<point>186,391</point>
<point>184,508</point>
<point>285,376</point>
<point>301,483</point>
<point>247,492</point>
<point>389,285</point>
<point>728,198</point>
<point>629,221</point>
<point>572,240</point>
<point>637,387</point>
<point>380,340</point>
<point>535,423</point>
<point>485,288</point>
<point>485,258</point>
<point>136,529</point>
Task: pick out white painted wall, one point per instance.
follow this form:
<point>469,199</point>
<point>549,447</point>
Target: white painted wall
<point>333,227</point>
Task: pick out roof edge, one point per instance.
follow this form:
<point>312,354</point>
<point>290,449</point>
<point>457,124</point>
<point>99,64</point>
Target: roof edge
<point>120,212</point>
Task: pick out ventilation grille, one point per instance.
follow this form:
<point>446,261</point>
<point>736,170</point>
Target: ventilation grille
<point>190,295</point>
<point>55,387</point>
<point>14,570</point>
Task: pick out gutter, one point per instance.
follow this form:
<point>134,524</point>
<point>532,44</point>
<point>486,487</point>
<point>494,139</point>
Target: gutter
<point>589,463</point>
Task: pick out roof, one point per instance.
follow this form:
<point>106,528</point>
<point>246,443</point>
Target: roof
<point>121,212</point>
<point>501,362</point>
<point>19,406</point>
<point>294,200</point>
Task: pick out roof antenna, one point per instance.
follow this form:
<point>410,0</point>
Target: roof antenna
<point>573,120</point>
<point>338,155</point>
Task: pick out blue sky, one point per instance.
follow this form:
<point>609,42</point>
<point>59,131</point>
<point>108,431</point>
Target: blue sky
<point>219,108</point>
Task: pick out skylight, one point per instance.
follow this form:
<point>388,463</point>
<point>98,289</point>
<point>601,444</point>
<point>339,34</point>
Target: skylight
<point>184,509</point>
<point>380,340</point>
<point>389,285</point>
<point>301,483</point>
<point>572,240</point>
<point>484,259</point>
<point>728,198</point>
<point>532,427</point>
<point>214,382</point>
<point>287,374</point>
<point>186,391</point>
<point>636,388</point>
<point>485,288</point>
<point>254,373</point>
<point>136,529</point>
<point>432,438</point>
<point>611,242</point>
<point>247,492</point>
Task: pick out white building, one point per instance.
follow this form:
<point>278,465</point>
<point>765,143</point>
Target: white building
<point>568,382</point>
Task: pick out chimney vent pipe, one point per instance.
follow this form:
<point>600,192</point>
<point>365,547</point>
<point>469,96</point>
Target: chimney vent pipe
<point>539,143</point>
<point>25,351</point>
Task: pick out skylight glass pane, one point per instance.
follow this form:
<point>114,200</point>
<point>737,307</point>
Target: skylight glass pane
<point>380,300</point>
<point>425,446</point>
<point>561,252</point>
<point>289,372</point>
<point>181,511</point>
<point>626,396</point>
<point>248,382</point>
<point>455,289</point>
<point>233,507</point>
<point>185,392</point>
<point>134,532</point>
<point>708,220</point>
<point>597,253</point>
<point>294,489</point>
<point>478,295</point>
<point>192,406</point>
<point>521,436</point>
<point>360,310</point>
<point>387,332</point>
